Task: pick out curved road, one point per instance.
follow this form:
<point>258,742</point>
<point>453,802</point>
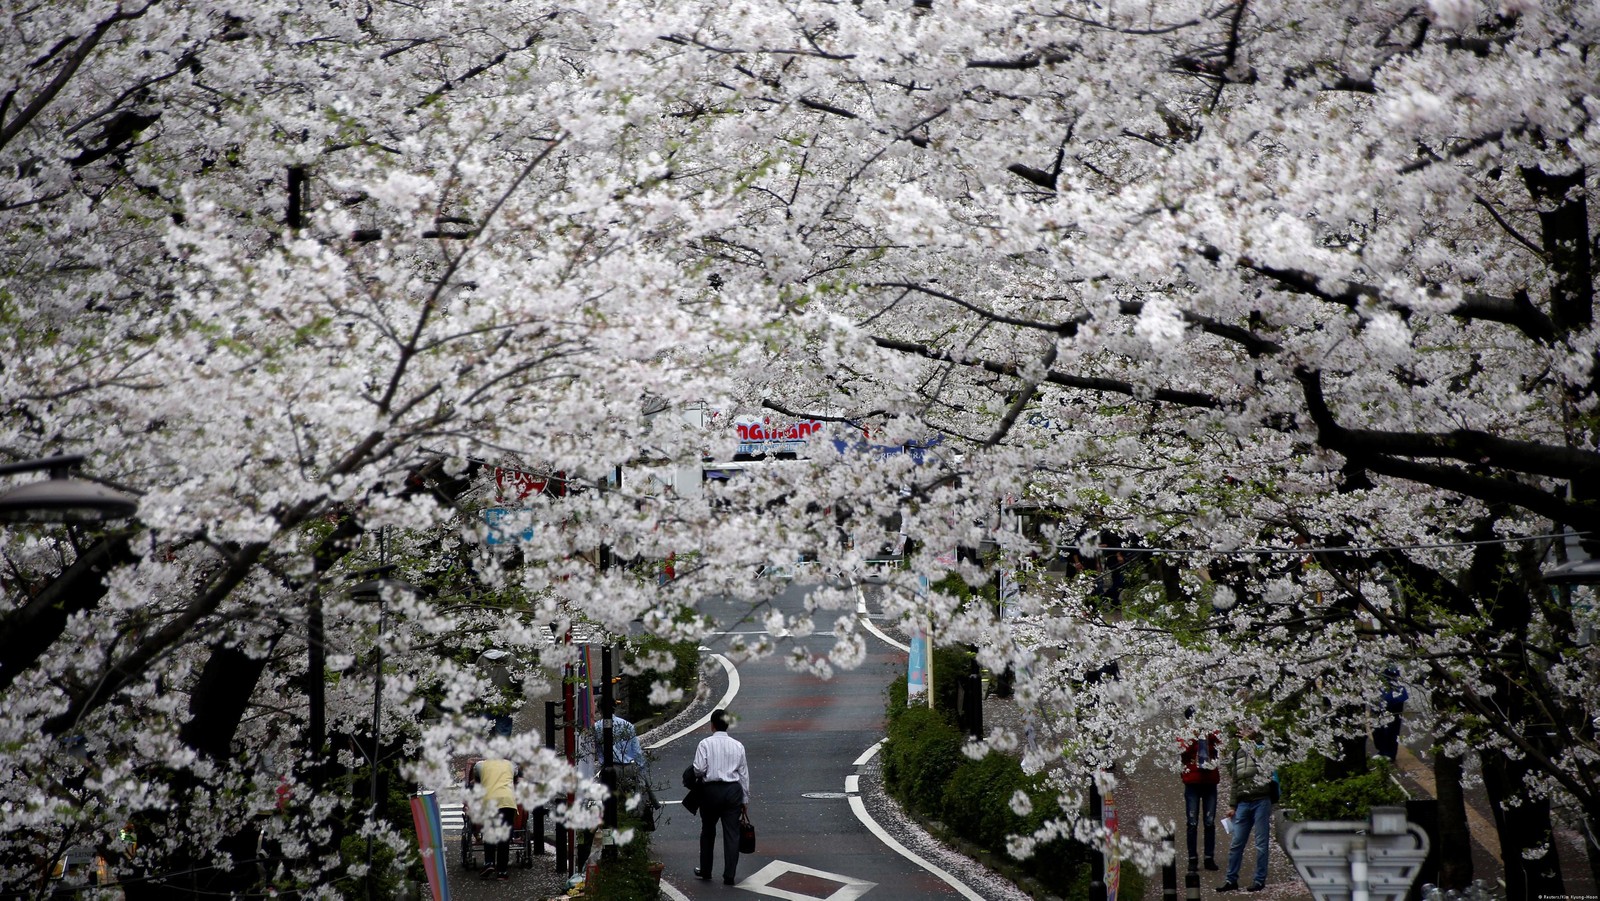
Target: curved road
<point>805,739</point>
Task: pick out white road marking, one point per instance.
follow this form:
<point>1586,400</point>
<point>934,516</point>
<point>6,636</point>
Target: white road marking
<point>869,753</point>
<point>760,882</point>
<point>727,699</point>
<point>860,808</point>
<point>452,818</point>
<point>861,612</point>
<point>852,786</point>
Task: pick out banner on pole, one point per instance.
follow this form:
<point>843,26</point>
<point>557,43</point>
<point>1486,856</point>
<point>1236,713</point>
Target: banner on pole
<point>919,666</point>
<point>1108,816</point>
<point>585,692</point>
<point>430,842</point>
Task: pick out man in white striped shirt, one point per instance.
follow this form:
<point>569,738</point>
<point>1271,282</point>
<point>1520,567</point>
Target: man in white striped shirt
<point>720,762</point>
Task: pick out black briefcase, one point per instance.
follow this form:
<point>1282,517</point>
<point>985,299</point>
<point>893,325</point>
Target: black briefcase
<point>747,836</point>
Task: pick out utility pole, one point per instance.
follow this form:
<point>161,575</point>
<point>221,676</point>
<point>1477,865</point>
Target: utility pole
<point>608,767</point>
<point>1097,859</point>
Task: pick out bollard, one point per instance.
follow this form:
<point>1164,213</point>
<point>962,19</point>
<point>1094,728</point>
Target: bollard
<point>1169,873</point>
<point>550,743</point>
<point>1191,885</point>
<point>1097,859</point>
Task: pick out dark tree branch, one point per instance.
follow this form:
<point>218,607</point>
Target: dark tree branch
<point>29,631</point>
<point>1518,312</point>
<point>1030,61</point>
<point>777,407</point>
<point>69,67</point>
<point>829,108</point>
<point>1024,397</point>
<point>1564,223</point>
<point>1110,386</point>
<point>1382,453</point>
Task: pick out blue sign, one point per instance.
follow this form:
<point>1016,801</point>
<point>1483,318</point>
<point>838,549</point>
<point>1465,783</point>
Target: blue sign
<point>916,450</point>
<point>919,666</point>
<point>508,526</point>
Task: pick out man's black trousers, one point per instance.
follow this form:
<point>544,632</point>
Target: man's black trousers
<point>721,805</point>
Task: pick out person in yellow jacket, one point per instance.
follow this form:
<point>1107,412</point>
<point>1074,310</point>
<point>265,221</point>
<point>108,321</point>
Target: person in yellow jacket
<point>498,778</point>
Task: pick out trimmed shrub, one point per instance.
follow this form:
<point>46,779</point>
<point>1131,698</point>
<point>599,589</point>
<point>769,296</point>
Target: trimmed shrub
<point>922,752</point>
<point>977,800</point>
<point>1313,796</point>
<point>685,673</point>
<point>948,663</point>
<point>897,698</point>
<point>925,769</point>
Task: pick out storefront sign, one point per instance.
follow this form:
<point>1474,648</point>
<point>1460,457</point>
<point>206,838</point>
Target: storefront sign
<point>514,486</point>
<point>766,437</point>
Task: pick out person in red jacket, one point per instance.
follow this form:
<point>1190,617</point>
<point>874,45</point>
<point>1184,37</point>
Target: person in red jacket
<point>1200,777</point>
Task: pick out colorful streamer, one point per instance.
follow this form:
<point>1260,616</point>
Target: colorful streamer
<point>430,841</point>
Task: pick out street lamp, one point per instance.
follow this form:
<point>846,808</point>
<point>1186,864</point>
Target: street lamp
<point>1575,572</point>
<point>375,589</point>
<point>61,498</point>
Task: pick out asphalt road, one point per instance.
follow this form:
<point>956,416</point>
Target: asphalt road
<point>803,737</point>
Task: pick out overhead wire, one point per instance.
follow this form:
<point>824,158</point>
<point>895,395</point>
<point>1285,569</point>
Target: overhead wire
<point>1313,549</point>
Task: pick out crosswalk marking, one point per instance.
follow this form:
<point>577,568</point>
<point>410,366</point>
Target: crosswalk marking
<point>452,818</point>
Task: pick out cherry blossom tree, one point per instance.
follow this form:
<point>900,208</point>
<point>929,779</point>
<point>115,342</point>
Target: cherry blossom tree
<point>298,274</point>
<point>1211,276</point>
<point>1200,277</point>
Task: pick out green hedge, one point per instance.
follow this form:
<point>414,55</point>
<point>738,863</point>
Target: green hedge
<point>923,752</point>
<point>628,877</point>
<point>947,664</point>
<point>925,769</point>
<point>685,673</point>
<point>1313,796</point>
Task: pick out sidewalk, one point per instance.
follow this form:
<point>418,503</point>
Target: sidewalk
<point>1147,787</point>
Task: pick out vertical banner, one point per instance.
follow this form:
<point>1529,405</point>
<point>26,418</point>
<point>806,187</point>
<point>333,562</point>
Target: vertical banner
<point>1010,595</point>
<point>1108,816</point>
<point>585,698</point>
<point>919,666</point>
<point>430,842</point>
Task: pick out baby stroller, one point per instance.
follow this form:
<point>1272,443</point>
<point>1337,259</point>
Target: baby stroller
<point>475,854</point>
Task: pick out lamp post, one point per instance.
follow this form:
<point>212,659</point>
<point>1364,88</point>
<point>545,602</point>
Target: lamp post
<point>61,498</point>
<point>608,763</point>
<point>375,588</point>
<point>1572,573</point>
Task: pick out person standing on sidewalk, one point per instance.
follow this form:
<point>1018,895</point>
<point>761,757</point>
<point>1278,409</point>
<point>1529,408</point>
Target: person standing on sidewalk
<point>1391,703</point>
<point>725,795</point>
<point>1201,773</point>
<point>1249,808</point>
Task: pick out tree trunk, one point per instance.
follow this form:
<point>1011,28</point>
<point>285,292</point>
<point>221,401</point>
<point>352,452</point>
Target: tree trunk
<point>1524,825</point>
<point>1455,838</point>
<point>1352,760</point>
<point>220,698</point>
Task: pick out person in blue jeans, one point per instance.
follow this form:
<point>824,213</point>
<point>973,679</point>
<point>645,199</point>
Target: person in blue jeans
<point>1198,752</point>
<point>1250,809</point>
